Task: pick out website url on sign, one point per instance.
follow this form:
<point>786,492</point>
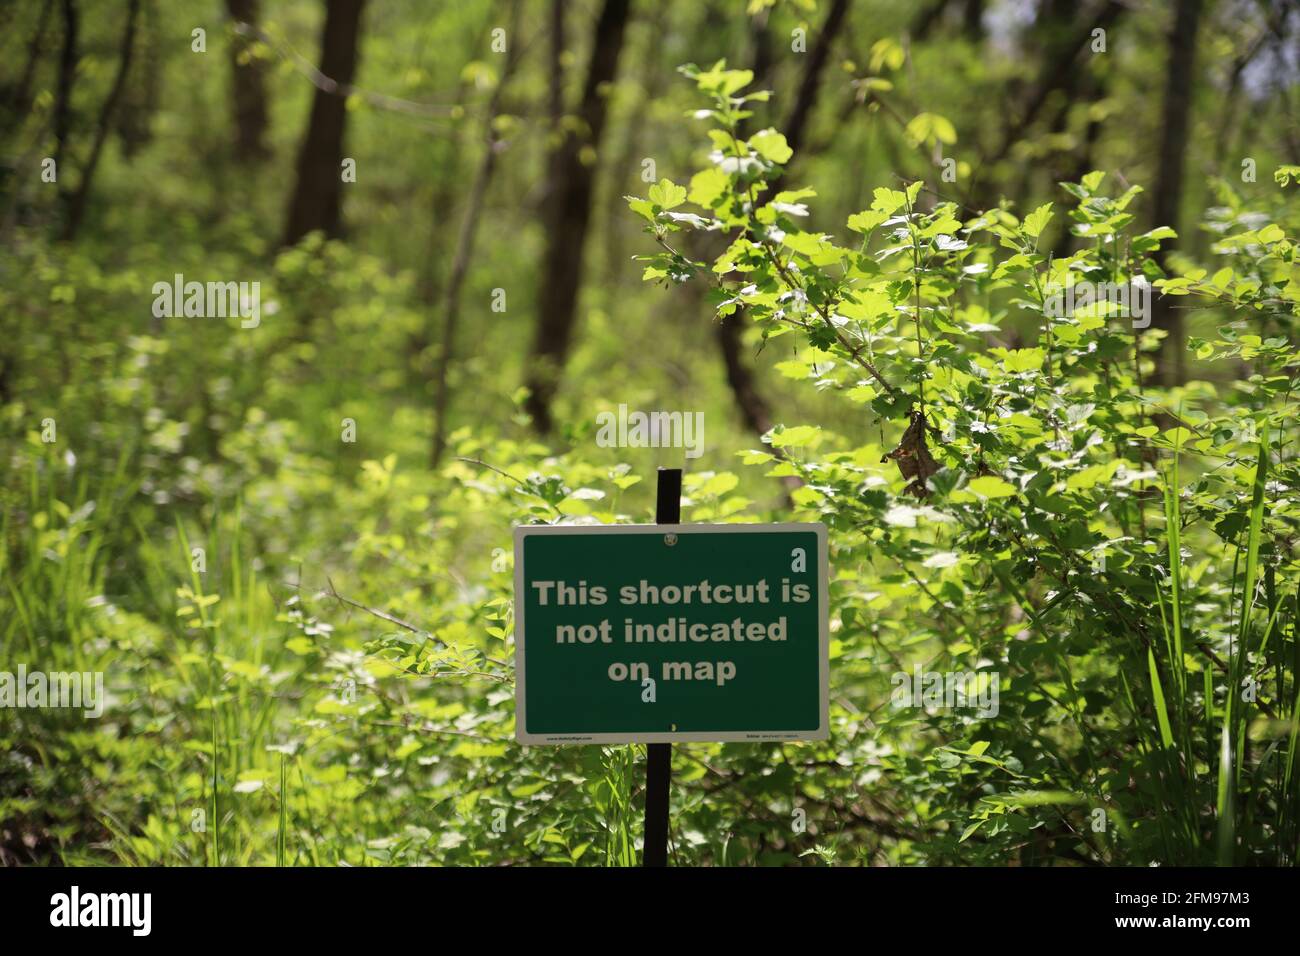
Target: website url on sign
<point>1203,923</point>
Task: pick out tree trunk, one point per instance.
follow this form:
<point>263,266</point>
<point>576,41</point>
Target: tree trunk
<point>556,71</point>
<point>755,411</point>
<point>810,85</point>
<point>133,123</point>
<point>1171,363</point>
<point>470,219</point>
<point>248,86</point>
<point>567,216</point>
<point>76,200</point>
<point>925,20</point>
<point>651,82</point>
<point>63,92</point>
<point>317,196</point>
<point>754,408</point>
<point>973,20</point>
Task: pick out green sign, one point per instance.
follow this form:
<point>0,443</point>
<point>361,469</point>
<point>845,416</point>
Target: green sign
<point>663,633</point>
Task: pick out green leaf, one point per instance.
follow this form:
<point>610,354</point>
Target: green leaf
<point>1284,174</point>
<point>667,194</point>
<point>1022,360</point>
<point>718,80</point>
<point>1037,220</point>
<point>799,435</point>
<point>1158,695</point>
<point>708,185</point>
<point>807,243</point>
<point>866,220</point>
<point>991,486</point>
<point>929,128</point>
<point>772,146</point>
<point>642,207</point>
<point>794,369</point>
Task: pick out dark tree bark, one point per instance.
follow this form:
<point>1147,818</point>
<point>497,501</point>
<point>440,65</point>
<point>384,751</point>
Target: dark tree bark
<point>248,86</point>
<point>567,215</point>
<point>556,101</point>
<point>810,84</point>
<point>755,410</point>
<point>133,123</point>
<point>63,92</point>
<point>317,197</point>
<point>75,204</point>
<point>1180,75</point>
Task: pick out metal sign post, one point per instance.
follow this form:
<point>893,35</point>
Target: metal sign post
<point>659,757</point>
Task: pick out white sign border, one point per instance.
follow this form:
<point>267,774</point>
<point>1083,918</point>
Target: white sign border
<point>771,736</point>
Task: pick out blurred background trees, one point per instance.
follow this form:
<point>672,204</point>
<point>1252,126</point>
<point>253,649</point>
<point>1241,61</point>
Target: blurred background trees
<point>1018,94</point>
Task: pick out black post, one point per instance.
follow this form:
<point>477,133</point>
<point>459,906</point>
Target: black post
<point>659,762</point>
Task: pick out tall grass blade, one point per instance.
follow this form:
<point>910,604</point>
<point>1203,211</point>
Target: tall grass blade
<point>1158,694</point>
<point>281,834</point>
<point>1224,808</point>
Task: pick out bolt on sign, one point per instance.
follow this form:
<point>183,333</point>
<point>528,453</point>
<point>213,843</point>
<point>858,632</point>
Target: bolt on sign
<point>671,632</point>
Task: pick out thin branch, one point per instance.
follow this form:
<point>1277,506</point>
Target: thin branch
<point>326,84</point>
